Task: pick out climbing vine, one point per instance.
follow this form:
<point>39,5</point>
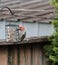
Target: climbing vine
<point>51,51</point>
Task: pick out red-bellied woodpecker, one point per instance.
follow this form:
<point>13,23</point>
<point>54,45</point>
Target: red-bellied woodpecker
<point>22,33</point>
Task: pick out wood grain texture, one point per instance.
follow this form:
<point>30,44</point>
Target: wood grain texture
<point>15,5</point>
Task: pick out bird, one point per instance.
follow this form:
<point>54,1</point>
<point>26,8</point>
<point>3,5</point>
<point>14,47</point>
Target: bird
<point>22,33</point>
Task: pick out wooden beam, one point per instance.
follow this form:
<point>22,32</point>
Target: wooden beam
<point>27,41</point>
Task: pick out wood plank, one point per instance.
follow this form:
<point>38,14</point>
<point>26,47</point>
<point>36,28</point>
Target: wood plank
<point>29,13</point>
<point>31,5</point>
<point>33,14</point>
<point>40,7</point>
<point>3,56</point>
<point>28,55</point>
<point>37,60</point>
<point>22,58</point>
<point>34,5</point>
<point>17,12</point>
<point>7,3</point>
<point>22,4</point>
<point>27,16</point>
<point>15,56</point>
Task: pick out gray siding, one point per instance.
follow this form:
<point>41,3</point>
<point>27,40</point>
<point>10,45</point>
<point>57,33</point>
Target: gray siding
<point>45,29</point>
<point>37,29</point>
<point>33,29</point>
<point>2,30</point>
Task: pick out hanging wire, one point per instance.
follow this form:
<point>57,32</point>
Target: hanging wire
<point>12,12</point>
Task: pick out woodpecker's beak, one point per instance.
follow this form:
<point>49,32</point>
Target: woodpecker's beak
<point>21,28</point>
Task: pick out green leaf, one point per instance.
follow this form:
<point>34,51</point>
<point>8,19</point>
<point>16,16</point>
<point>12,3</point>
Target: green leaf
<point>51,51</point>
<point>55,49</point>
<point>53,58</point>
<point>52,2</point>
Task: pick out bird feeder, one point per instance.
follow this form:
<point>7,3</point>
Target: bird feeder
<point>9,29</point>
<point>12,33</point>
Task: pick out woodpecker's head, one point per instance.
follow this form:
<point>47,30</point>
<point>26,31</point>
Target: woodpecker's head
<point>22,28</point>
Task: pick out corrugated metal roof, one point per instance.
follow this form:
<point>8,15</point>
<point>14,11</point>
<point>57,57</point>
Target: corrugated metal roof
<point>32,14</point>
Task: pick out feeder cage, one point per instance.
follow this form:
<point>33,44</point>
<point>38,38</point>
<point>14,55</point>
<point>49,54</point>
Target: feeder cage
<point>12,33</point>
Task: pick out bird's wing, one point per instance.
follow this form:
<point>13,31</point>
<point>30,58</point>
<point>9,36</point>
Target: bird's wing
<point>23,36</point>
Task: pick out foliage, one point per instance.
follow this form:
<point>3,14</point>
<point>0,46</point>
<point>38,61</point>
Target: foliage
<point>51,51</point>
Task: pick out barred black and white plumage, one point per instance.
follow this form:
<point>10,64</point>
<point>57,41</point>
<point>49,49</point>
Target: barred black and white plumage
<point>23,36</point>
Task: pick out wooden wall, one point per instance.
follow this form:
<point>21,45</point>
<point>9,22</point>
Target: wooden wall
<point>30,55</point>
<point>22,55</point>
<point>3,55</point>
